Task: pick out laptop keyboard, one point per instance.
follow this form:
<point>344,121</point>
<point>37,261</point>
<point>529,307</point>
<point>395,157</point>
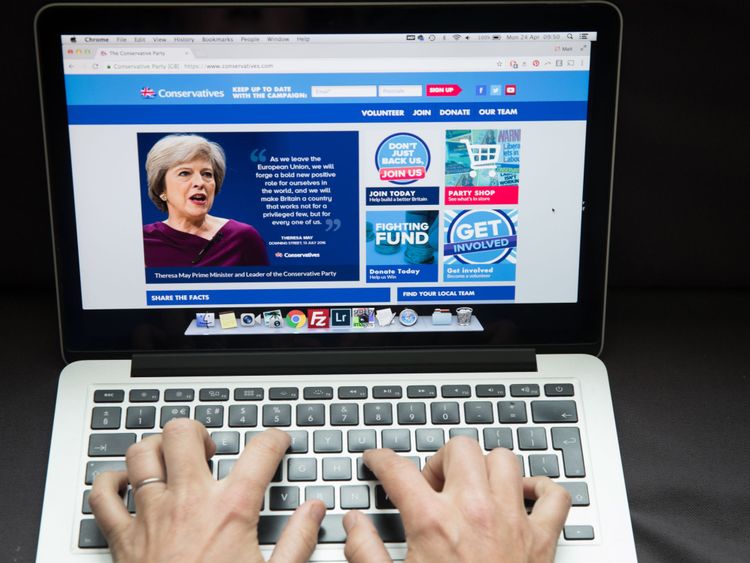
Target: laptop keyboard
<point>330,427</point>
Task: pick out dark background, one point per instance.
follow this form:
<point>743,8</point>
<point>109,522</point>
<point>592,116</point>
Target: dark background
<point>677,333</point>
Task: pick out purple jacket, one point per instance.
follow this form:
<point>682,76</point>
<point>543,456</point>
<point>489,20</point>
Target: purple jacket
<point>235,244</point>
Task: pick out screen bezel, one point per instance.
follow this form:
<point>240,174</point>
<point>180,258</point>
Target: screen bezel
<point>569,327</point>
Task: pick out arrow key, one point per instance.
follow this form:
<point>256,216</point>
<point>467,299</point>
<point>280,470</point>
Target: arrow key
<point>110,445</point>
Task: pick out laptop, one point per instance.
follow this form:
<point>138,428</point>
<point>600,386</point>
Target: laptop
<point>366,225</point>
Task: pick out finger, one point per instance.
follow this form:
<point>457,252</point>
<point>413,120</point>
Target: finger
<point>363,544</point>
<point>256,466</point>
<point>106,503</point>
<point>402,481</point>
<point>552,503</point>
<point>460,463</point>
<point>186,446</point>
<point>144,461</point>
<point>505,480</point>
<point>300,535</point>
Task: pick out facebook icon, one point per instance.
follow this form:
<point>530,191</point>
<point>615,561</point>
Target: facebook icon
<point>341,318</point>
<point>481,90</point>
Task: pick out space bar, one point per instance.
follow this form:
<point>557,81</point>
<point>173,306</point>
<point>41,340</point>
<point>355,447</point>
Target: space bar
<point>332,529</point>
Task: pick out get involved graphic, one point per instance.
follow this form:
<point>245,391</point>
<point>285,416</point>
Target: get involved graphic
<point>480,245</point>
<point>402,158</point>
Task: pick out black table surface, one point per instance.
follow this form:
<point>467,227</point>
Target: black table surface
<point>678,363</point>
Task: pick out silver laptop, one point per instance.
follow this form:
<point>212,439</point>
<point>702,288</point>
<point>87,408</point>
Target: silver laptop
<point>366,225</point>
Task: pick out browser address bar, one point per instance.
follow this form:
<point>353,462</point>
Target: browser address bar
<point>272,66</point>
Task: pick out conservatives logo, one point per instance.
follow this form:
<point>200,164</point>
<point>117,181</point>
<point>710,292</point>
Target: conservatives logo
<point>149,93</point>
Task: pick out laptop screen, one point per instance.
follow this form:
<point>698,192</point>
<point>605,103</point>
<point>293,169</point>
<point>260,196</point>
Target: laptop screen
<point>333,186</point>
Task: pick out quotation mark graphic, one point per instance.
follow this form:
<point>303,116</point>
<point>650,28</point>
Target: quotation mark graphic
<point>258,155</point>
<point>334,224</point>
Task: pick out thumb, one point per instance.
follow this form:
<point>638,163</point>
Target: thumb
<point>363,544</point>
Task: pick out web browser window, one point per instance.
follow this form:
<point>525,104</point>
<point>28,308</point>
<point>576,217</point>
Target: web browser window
<point>357,169</point>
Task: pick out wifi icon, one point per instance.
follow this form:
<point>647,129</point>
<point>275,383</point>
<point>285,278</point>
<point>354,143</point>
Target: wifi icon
<point>457,36</point>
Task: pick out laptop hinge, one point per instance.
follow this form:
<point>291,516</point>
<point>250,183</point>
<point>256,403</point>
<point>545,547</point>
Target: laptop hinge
<point>296,362</point>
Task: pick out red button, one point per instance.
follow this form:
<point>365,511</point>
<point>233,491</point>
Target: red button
<point>443,89</point>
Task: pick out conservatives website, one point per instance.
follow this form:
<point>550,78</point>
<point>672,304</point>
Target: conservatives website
<point>394,169</point>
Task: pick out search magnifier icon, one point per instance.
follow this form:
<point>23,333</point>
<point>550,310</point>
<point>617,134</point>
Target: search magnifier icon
<point>570,36</point>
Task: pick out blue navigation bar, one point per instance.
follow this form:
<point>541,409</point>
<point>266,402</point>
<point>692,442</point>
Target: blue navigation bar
<point>326,113</point>
<point>273,89</point>
<point>239,297</point>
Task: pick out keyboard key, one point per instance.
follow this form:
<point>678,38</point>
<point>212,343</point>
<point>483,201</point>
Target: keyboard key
<point>498,438</point>
<point>455,391</point>
<point>140,417</point>
<point>328,441</point>
<point>568,439</point>
<point>109,396</point>
<point>179,395</point>
<point>468,432</point>
<point>354,496</point>
<point>317,393</point>
<point>94,468</point>
<point>558,389</point>
<point>387,392</point>
<point>144,395</point>
<point>243,415</point>
<point>411,413</point>
<point>225,466</point>
<point>270,527</point>
<point>578,532</point>
<point>345,414</point>
<point>378,413</point>
<point>105,418</point>
<point>173,411</point>
<point>353,392</point>
<point>399,440</point>
<point>532,438</point>
<point>511,412</point>
<point>85,506</point>
<point>429,439</point>
<point>248,394</point>
<point>210,416</point>
<point>360,440</point>
<point>490,390</point>
<point>381,498</point>
<point>283,393</point>
<point>337,469</point>
<point>445,413</point>
<point>283,498</point>
<point>214,394</point>
<point>544,464</point>
<point>579,492</point>
<point>554,411</point>
<point>226,442</point>
<point>524,390</point>
<point>298,444</point>
<point>109,445</point>
<point>277,415</point>
<point>421,391</point>
<point>302,469</point>
<point>363,472</point>
<point>311,414</point>
<point>323,493</point>
<point>478,412</point>
<point>89,535</point>
<point>389,527</point>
